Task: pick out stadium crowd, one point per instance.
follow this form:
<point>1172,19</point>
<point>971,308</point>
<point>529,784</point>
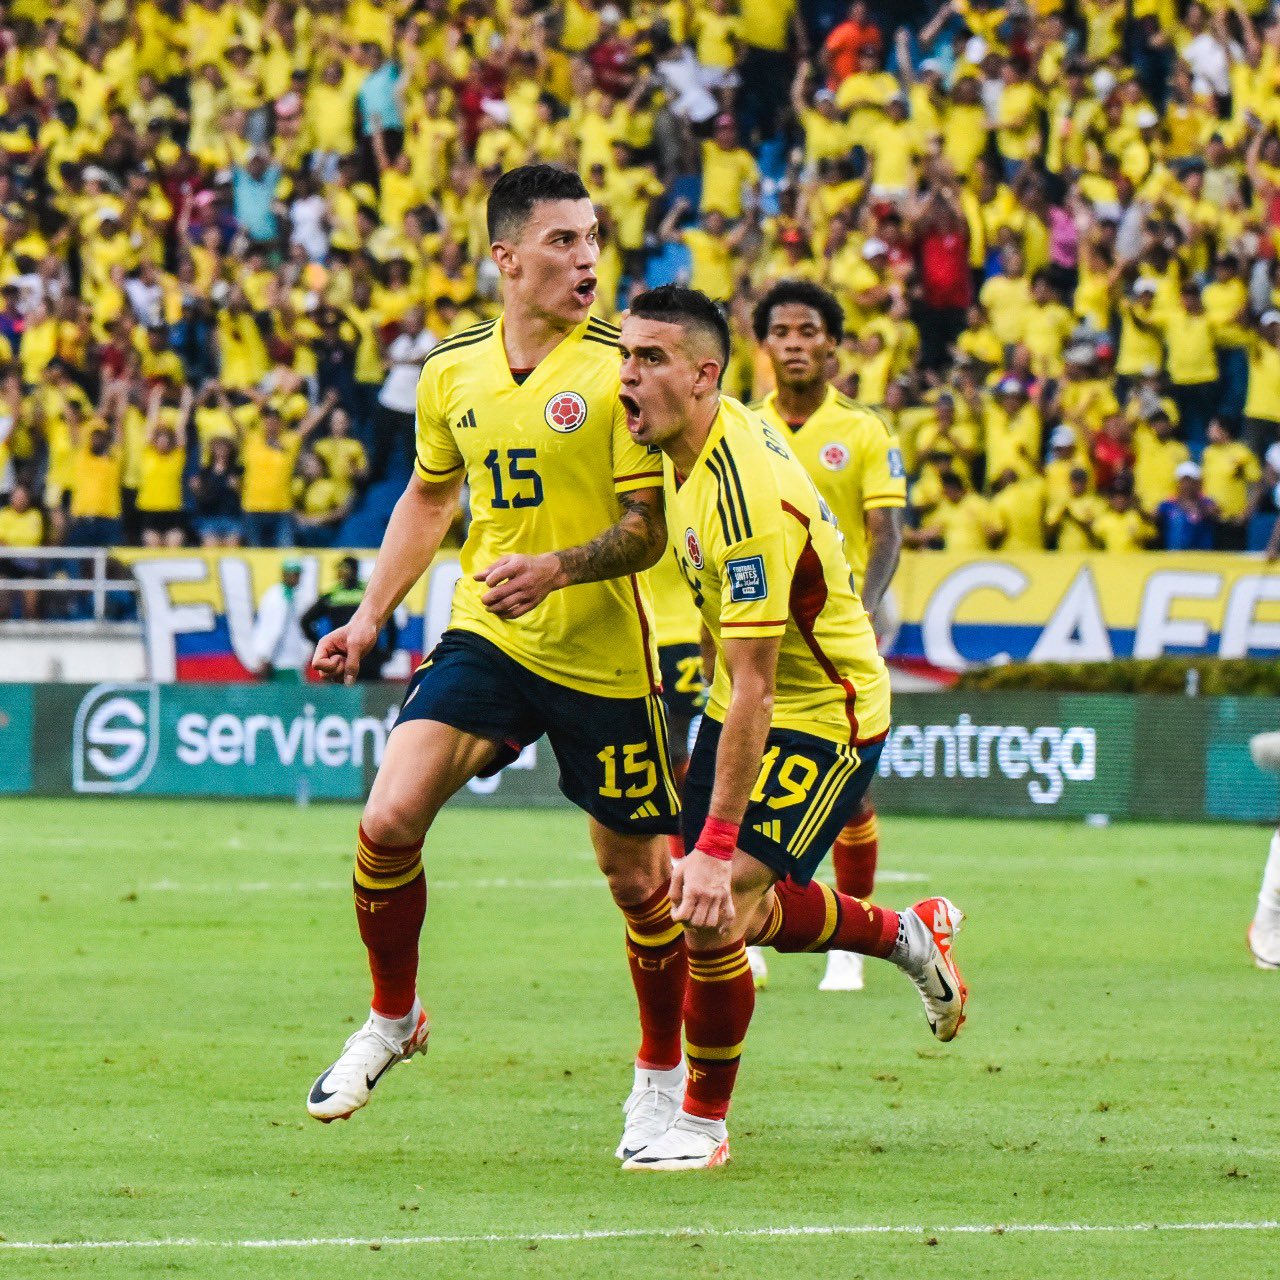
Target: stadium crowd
<point>231,231</point>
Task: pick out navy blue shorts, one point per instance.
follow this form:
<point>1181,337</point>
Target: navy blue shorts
<point>612,752</point>
<point>807,790</point>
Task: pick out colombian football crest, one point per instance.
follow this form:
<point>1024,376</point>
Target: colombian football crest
<point>834,456</point>
<point>566,411</point>
<point>692,549</point>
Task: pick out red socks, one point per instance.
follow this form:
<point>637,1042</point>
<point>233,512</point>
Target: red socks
<point>659,970</point>
<point>391,904</point>
<point>717,1012</point>
<point>817,918</point>
<point>854,855</point>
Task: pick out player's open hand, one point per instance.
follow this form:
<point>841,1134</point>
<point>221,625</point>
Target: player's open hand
<point>518,583</point>
<point>702,892</point>
<point>338,655</point>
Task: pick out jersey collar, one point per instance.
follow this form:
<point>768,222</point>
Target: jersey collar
<point>771,400</point>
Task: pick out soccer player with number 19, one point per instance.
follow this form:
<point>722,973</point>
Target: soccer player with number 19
<point>795,722</point>
<point>550,632</point>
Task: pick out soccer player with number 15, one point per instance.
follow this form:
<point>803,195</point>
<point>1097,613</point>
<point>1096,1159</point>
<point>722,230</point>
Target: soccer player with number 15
<point>550,632</point>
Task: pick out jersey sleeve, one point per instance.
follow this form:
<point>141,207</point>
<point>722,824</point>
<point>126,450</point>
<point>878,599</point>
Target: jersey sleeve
<point>436,455</point>
<point>634,467</point>
<point>756,560</point>
<point>884,474</point>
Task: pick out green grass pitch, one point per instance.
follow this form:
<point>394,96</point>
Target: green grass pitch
<point>175,974</point>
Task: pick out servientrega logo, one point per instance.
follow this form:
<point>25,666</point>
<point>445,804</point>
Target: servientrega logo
<point>115,738</point>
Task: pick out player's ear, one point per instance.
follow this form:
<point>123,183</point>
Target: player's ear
<point>504,257</point>
<point>707,380</point>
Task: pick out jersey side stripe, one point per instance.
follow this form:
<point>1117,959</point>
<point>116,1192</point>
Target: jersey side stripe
<point>737,485</point>
<point>723,499</point>
<point>601,339</point>
<point>594,322</point>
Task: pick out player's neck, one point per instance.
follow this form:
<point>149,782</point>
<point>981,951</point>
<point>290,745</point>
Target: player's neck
<point>800,403</point>
<point>529,337</point>
<point>685,449</point>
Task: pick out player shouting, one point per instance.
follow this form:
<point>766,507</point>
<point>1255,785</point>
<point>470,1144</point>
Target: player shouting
<point>798,686</point>
<point>549,633</point>
<point>855,462</point>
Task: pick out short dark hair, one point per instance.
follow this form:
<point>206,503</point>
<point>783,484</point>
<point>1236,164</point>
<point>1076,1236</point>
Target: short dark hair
<point>515,193</point>
<point>802,293</point>
<point>674,304</point>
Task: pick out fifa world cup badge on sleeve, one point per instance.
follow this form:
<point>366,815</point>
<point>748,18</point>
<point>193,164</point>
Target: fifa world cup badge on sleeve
<point>746,579</point>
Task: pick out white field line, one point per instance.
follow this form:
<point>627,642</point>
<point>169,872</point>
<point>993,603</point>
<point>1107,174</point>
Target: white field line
<point>307,886</point>
<point>654,1233</point>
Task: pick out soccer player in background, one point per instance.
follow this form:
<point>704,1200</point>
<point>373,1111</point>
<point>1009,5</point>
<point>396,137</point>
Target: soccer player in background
<point>856,464</point>
<point>795,722</point>
<point>1264,929</point>
<point>550,631</point>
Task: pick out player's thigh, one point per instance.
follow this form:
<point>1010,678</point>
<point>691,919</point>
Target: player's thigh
<point>462,716</point>
<point>808,788</point>
<point>424,763</point>
<point>614,759</point>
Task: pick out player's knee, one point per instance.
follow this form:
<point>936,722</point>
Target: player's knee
<point>634,869</point>
<point>389,821</point>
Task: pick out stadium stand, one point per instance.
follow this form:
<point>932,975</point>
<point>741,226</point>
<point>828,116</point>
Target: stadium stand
<point>229,233</point>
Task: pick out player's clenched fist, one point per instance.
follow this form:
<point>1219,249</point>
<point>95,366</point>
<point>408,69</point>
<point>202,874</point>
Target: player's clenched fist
<point>702,891</point>
<point>519,583</point>
<point>338,655</point>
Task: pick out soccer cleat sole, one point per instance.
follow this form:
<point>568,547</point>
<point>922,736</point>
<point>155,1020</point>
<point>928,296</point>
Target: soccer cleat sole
<point>720,1156</point>
<point>1259,961</point>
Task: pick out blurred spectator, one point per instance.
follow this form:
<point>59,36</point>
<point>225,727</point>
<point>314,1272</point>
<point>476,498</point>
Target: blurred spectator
<point>281,649</point>
<point>21,527</point>
<point>397,401</point>
<point>1188,521</point>
<point>1230,470</point>
<point>215,490</point>
<point>336,607</point>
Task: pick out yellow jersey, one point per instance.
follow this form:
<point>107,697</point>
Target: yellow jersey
<point>547,459</point>
<point>762,556</point>
<point>24,528</point>
<point>854,460</point>
<point>160,479</point>
<point>96,488</point>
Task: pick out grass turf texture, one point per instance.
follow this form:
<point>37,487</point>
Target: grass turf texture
<point>165,1012</point>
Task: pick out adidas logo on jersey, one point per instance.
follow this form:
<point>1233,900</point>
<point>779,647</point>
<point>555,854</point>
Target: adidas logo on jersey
<point>770,830</point>
<point>646,810</point>
<point>468,419</point>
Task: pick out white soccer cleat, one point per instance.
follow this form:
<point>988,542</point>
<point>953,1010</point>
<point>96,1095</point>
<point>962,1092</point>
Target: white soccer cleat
<point>1264,946</point>
<point>650,1110</point>
<point>844,972</point>
<point>689,1143</point>
<point>366,1058</point>
<point>759,967</point>
<point>926,933</point>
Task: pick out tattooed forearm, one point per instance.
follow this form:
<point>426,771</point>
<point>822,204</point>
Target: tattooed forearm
<point>636,542</point>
